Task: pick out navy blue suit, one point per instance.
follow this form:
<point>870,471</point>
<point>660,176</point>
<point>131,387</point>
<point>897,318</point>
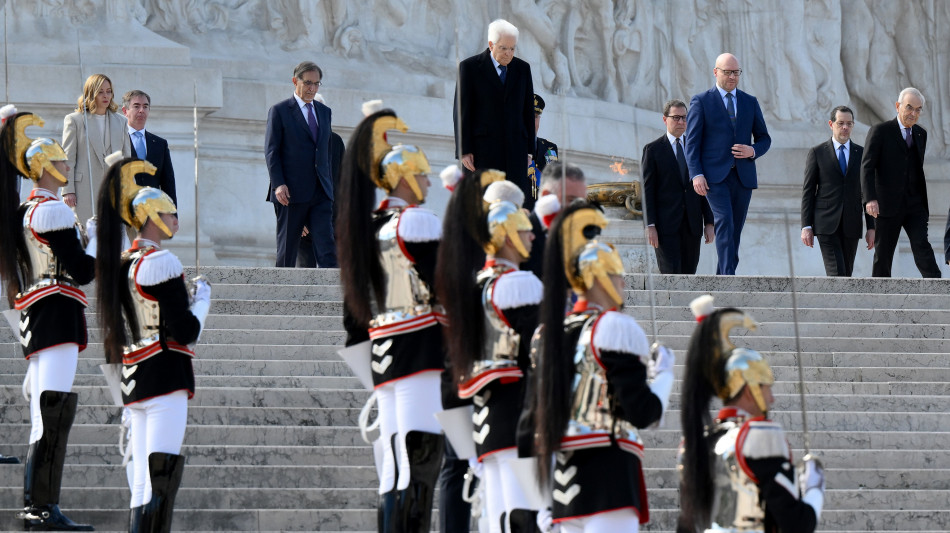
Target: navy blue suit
<point>295,159</point>
<point>156,153</point>
<point>709,139</point>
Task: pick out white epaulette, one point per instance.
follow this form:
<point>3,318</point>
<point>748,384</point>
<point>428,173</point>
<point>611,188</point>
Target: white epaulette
<point>517,289</point>
<point>419,225</point>
<point>52,215</point>
<point>617,332</point>
<point>764,439</point>
<point>158,267</point>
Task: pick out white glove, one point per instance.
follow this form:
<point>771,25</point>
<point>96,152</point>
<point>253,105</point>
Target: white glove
<point>201,301</point>
<point>477,467</point>
<point>545,521</point>
<point>92,236</point>
<point>811,482</point>
<point>660,372</point>
<point>662,360</point>
<point>202,290</point>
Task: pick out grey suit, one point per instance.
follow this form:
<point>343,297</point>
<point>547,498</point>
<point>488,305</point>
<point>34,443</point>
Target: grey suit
<point>74,144</point>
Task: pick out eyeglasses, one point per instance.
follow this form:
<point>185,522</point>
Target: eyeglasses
<point>677,118</point>
<point>311,84</point>
<point>730,73</point>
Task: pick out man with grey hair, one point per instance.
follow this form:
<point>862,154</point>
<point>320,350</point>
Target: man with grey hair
<point>565,182</point>
<point>297,154</point>
<point>894,189</point>
<point>494,110</point>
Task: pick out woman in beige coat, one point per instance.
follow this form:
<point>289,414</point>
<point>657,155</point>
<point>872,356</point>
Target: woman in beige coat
<point>86,150</point>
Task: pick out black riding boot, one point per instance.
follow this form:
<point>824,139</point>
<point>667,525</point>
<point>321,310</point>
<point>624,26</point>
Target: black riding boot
<point>135,519</point>
<point>43,475</point>
<point>8,460</point>
<point>386,514</point>
<point>414,504</point>
<point>165,471</point>
<point>523,521</point>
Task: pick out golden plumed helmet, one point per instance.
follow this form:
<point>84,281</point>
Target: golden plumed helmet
<point>393,163</point>
<point>742,367</point>
<point>587,260</point>
<point>138,204</point>
<point>505,217</point>
<point>33,156</point>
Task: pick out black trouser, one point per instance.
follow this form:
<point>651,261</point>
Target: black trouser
<point>913,218</point>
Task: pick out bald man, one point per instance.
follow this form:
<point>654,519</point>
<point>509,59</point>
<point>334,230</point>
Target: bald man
<point>725,133</point>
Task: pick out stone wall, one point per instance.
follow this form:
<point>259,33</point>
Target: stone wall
<point>605,69</point>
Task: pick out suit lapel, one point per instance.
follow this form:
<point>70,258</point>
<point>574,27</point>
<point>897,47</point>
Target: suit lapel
<point>489,67</point>
<point>151,149</point>
<point>833,156</point>
<point>297,113</point>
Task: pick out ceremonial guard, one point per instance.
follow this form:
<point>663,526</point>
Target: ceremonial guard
<point>545,151</point>
<point>736,472</point>
<point>597,381</point>
<point>44,259</point>
<point>492,313</point>
<point>387,260</point>
<point>149,316</point>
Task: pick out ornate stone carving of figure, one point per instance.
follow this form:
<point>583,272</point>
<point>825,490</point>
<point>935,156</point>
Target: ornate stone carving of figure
<point>537,20</point>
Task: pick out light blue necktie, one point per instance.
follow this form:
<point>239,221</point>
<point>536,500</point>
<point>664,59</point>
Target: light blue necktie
<point>841,160</point>
<point>138,140</point>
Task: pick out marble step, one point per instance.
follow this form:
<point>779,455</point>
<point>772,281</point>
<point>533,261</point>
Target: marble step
<point>364,476</point>
<point>665,438</point>
<point>819,395</point>
<point>365,520</point>
<point>278,398</point>
<point>366,498</point>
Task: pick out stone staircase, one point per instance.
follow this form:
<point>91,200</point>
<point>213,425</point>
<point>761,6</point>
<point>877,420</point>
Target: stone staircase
<point>272,443</point>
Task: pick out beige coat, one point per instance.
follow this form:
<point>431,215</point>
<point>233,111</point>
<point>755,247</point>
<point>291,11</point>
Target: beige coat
<point>74,143</point>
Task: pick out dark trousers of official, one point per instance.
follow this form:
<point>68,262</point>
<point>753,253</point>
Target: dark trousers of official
<point>729,202</point>
<point>913,219</point>
<point>317,215</point>
<point>455,514</point>
<point>678,252</point>
<point>838,252</point>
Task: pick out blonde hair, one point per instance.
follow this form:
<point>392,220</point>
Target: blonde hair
<point>90,89</point>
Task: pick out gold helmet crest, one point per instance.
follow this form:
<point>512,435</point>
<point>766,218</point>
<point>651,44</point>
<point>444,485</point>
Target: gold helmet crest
<point>137,205</point>
<point>742,367</point>
<point>34,156</point>
<point>505,217</point>
<point>394,163</point>
<point>587,260</point>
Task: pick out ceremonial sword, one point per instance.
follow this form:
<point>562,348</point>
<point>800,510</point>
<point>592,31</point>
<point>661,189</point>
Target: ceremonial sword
<point>798,346</point>
<point>197,259</point>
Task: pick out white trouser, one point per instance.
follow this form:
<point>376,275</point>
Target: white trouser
<point>503,492</point>
<point>51,369</point>
<point>625,520</point>
<point>158,425</point>
<point>407,404</point>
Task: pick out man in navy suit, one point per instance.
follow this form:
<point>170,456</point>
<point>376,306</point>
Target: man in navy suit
<point>494,110</point>
<point>677,217</point>
<point>136,106</point>
<point>831,197</point>
<point>725,133</point>
<point>894,188</point>
<point>296,149</point>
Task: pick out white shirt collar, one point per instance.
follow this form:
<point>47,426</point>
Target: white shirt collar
<point>847,145</point>
<point>672,139</point>
<point>722,92</point>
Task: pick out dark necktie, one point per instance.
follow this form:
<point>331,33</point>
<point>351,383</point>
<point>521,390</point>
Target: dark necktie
<point>731,108</point>
<point>504,73</point>
<point>681,159</point>
<point>841,161</point>
<point>908,137</point>
<point>312,121</point>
